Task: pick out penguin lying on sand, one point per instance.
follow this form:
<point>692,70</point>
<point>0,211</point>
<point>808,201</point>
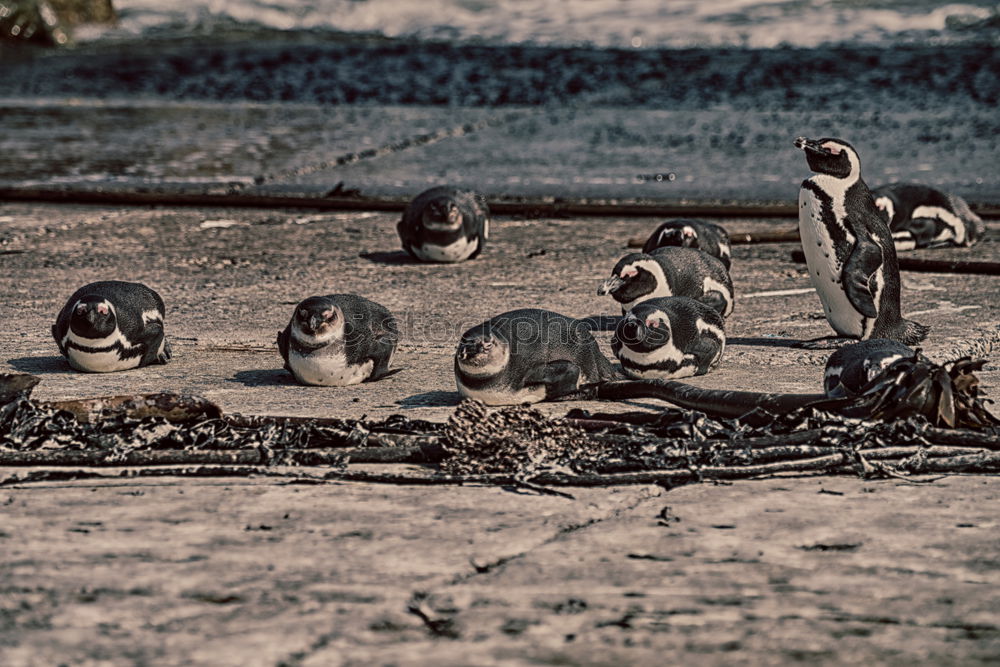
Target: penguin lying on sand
<point>338,340</point>
<point>851,367</point>
<point>705,236</point>
<point>526,356</point>
<point>670,271</point>
<point>922,217</point>
<point>848,247</point>
<point>445,224</point>
<point>112,326</point>
<point>669,337</point>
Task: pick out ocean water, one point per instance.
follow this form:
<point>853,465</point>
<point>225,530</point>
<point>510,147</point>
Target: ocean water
<point>636,24</point>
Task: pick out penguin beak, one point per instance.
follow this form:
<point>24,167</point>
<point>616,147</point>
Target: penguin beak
<point>610,285</point>
<point>469,349</point>
<point>315,321</point>
<point>810,145</point>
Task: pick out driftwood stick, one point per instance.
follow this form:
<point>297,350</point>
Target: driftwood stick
<point>160,457</point>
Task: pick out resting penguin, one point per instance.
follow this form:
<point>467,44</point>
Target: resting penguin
<point>922,217</point>
<point>445,224</point>
<point>705,236</point>
<point>851,367</point>
<point>670,271</point>
<point>669,337</point>
<point>526,356</point>
<point>848,247</point>
<point>338,340</point>
<point>112,326</point>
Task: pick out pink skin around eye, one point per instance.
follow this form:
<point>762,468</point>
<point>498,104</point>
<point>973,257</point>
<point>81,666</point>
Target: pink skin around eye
<point>653,324</point>
<point>629,273</point>
<point>832,147</point>
<point>102,309</point>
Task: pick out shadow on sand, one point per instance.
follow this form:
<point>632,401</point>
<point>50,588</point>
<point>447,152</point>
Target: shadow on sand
<point>264,378</point>
<point>431,399</point>
<point>386,257</point>
<point>35,365</point>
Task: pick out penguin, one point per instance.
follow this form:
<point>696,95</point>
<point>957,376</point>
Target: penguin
<point>669,337</point>
<point>338,340</point>
<point>445,224</point>
<point>705,236</point>
<point>670,271</point>
<point>920,216</point>
<point>853,366</point>
<point>528,355</point>
<point>848,247</point>
<point>112,325</point>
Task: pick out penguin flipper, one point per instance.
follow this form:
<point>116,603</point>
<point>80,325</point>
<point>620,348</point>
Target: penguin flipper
<point>55,334</point>
<point>864,261</point>
<point>716,300</point>
<point>706,354</point>
<point>152,337</point>
<point>559,377</point>
<point>283,344</point>
<point>381,352</point>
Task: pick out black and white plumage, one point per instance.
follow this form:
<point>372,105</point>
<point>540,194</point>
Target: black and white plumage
<point>338,340</point>
<point>670,271</point>
<point>445,224</point>
<point>848,247</point>
<point>526,356</point>
<point>920,216</point>
<point>112,325</point>
<point>705,236</point>
<point>851,367</point>
<point>669,337</point>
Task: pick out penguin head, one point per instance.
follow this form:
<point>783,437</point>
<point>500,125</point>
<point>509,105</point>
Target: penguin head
<point>93,317</point>
<point>674,233</point>
<point>317,320</point>
<point>644,329</point>
<point>480,353</point>
<point>634,276</point>
<point>441,215</point>
<point>832,157</point>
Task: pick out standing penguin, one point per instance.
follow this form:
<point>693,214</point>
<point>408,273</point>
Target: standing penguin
<point>338,340</point>
<point>848,247</point>
<point>445,224</point>
<point>526,356</point>
<point>670,271</point>
<point>669,337</point>
<point>705,236</point>
<point>853,366</point>
<point>922,217</point>
<point>112,325</point>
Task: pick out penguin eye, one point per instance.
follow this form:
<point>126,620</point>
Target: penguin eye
<point>629,273</point>
<point>834,149</point>
<point>102,309</point>
<point>81,309</point>
<point>653,324</point>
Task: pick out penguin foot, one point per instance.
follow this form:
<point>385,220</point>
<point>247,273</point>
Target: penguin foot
<point>824,343</point>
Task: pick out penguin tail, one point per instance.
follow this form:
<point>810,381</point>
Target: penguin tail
<point>909,332</point>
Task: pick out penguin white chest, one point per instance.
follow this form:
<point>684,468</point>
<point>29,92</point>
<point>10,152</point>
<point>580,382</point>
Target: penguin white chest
<point>825,270</point>
<point>328,368</point>
<point>456,251</point>
<point>99,355</point>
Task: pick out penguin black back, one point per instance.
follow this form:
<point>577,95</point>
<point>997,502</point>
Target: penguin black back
<point>112,325</point>
<point>848,247</point>
<point>445,224</point>
<point>705,236</point>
